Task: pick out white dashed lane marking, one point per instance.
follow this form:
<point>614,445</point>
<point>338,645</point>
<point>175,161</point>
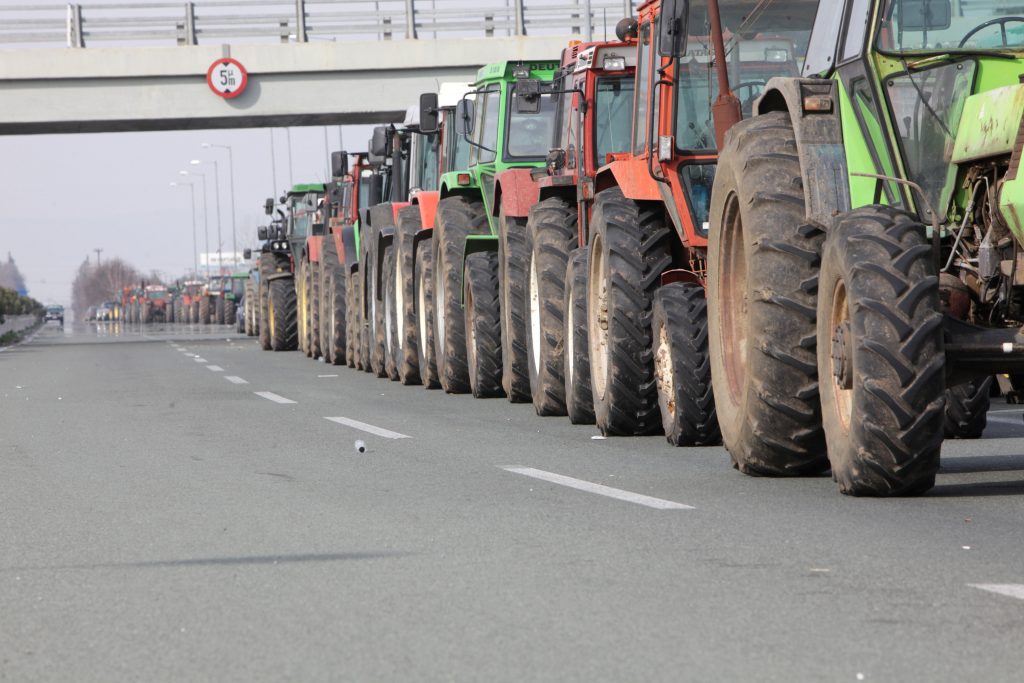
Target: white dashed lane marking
<point>235,379</point>
<point>356,424</point>
<point>271,396</point>
<point>215,368</point>
<point>200,360</point>
<point>1013,590</point>
<point>599,489</point>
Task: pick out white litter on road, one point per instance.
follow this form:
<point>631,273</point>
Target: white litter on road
<point>600,489</point>
<point>271,396</point>
<point>379,431</point>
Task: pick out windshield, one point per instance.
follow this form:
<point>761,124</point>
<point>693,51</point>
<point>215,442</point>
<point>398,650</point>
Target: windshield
<point>485,127</point>
<point>428,151</point>
<point>774,44</point>
<point>238,286</point>
<point>531,135</point>
<point>613,106</point>
<point>364,189</point>
<point>941,25</point>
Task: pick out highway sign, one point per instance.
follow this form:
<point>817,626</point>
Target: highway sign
<point>227,77</point>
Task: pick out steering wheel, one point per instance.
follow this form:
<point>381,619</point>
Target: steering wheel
<point>747,104</point>
<point>1000,21</point>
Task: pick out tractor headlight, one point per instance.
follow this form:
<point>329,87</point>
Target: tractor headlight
<point>776,54</point>
<point>614,63</point>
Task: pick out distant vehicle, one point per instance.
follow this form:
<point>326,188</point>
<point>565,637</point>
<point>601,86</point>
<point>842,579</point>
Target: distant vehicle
<point>55,313</point>
<point>106,311</point>
<point>90,313</point>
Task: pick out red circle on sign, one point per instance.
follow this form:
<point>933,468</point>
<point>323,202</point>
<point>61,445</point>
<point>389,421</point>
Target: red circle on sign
<point>227,77</point>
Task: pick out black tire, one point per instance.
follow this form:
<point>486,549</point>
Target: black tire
<point>405,350</point>
<point>230,311</point>
<point>204,309</point>
<point>353,320</point>
<point>147,313</point>
<point>457,218</point>
<point>302,302</point>
<point>552,235</point>
<point>763,263</point>
<point>967,409</point>
<point>513,259</point>
<point>389,324</point>
<point>483,325</point>
<point>316,350</point>
<point>169,316</point>
<point>195,312</point>
<point>579,398</point>
<point>248,308</point>
<point>424,272</point>
<point>333,305</point>
<point>282,315</point>
<point>881,357</point>
<point>629,249</point>
<point>218,309</point>
<point>267,268</point>
<point>682,369</point>
<point>381,217</point>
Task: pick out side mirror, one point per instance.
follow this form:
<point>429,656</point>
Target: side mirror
<point>268,206</point>
<point>339,164</point>
<point>672,38</point>
<point>262,233</point>
<point>428,112</point>
<point>379,142</point>
<point>246,254</point>
<point>464,117</point>
<point>555,160</point>
<point>626,29</point>
<point>527,96</point>
<point>283,199</point>
<point>924,15</point>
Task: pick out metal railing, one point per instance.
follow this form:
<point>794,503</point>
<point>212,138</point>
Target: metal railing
<point>77,25</point>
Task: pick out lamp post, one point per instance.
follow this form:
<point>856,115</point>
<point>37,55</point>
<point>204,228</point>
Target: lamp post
<point>231,184</point>
<point>206,226</point>
<point>291,178</point>
<point>216,188</point>
<point>195,245</point>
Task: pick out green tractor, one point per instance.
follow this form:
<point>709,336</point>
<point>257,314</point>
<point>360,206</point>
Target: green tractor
<point>866,249</point>
<point>480,251</point>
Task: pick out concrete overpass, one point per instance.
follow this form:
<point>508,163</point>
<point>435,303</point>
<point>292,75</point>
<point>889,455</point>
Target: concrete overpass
<point>125,68</point>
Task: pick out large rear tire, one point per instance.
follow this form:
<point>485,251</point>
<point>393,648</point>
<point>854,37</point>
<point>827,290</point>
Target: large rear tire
<point>353,319</point>
<point>682,368</point>
<point>457,218</point>
<point>315,346</point>
<point>266,270</point>
<point>514,258</point>
<point>629,249</point>
<point>425,314</point>
<point>881,358</point>
<point>552,235</point>
<point>248,308</point>
<point>204,310</point>
<point>333,305</point>
<point>405,349</point>
<point>579,398</point>
<point>283,315</point>
<point>218,309</point>
<point>967,409</point>
<point>389,324</point>
<point>763,262</point>
<point>302,287</point>
<point>483,325</point>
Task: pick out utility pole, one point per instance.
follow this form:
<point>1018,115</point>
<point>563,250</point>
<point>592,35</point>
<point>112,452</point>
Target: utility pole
<point>98,252</point>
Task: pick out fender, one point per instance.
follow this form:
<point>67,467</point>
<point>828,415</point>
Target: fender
<point>281,276</point>
<point>475,244</point>
<point>421,235</point>
<point>563,186</point>
<point>349,253</point>
<point>313,247</point>
<point>427,201</point>
<point>515,191</point>
<point>819,143</point>
<point>385,238</point>
<point>395,208</point>
<point>339,246</point>
<point>632,177</point>
<point>681,275</point>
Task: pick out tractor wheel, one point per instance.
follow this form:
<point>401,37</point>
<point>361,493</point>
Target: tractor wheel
<point>514,262</point>
<point>315,293</point>
<point>302,305</point>
<point>204,310</point>
<point>763,262</point>
<point>230,311</point>
<point>552,235</point>
<point>881,358</point>
<point>579,398</point>
<point>282,314</point>
<point>425,315</point>
<point>218,309</point>
<point>332,310</point>
<point>375,330</point>
<point>247,308</point>
<point>405,350</point>
<point>353,319</point>
<point>389,325</point>
<point>457,218</point>
<point>967,409</point>
<point>483,336</point>
<point>195,312</point>
<point>147,314</point>
<point>629,249</point>
<point>682,368</point>
<point>169,315</point>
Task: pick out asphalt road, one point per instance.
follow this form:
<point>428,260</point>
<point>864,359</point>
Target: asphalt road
<point>176,504</point>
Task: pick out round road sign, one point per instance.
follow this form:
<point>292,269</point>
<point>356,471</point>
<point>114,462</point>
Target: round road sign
<point>227,77</point>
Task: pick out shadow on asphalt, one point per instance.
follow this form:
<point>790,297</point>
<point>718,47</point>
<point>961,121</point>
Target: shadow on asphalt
<point>225,561</point>
<point>982,463</point>
<point>979,489</point>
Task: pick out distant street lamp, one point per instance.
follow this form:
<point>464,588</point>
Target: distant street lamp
<point>231,178</point>
<point>216,188</point>
<point>195,245</point>
<point>291,178</point>
<point>206,227</point>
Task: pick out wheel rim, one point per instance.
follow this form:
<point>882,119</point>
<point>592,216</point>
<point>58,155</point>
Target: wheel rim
<point>841,350</point>
<point>470,334</point>
<point>663,374</point>
<point>597,317</point>
<point>733,301</point>
<point>399,302</point>
<point>388,312</point>
<point>421,317</point>
<point>440,296</point>
<point>534,318</point>
<point>270,314</point>
<point>570,341</point>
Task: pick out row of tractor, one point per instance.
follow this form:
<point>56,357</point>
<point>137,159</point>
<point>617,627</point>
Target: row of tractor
<point>789,225</point>
<point>211,301</point>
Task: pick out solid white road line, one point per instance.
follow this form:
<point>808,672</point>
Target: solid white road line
<point>326,375</point>
<point>386,433</point>
<point>235,379</point>
<point>1013,590</point>
<point>1006,420</point>
<point>271,396</point>
<point>215,368</point>
<point>599,489</point>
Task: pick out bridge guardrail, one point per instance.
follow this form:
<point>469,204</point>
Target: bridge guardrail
<point>77,25</point>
